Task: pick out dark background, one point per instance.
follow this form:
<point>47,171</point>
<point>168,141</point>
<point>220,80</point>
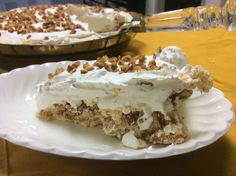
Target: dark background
<point>139,5</point>
<point>179,4</point>
<point>131,5</point>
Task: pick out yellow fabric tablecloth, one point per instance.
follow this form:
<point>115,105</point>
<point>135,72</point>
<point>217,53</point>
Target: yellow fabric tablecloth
<point>216,51</point>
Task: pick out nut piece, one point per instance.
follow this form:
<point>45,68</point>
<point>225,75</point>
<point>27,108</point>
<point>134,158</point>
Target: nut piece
<point>57,72</point>
<point>152,65</point>
<point>120,62</point>
<point>88,67</point>
<point>112,60</point>
<point>99,64</point>
<point>103,58</point>
<point>72,68</point>
<point>157,52</point>
<point>108,67</point>
<point>141,59</point>
<point>114,67</point>
<point>126,58</point>
<point>28,36</point>
<point>83,71</point>
<point>73,31</point>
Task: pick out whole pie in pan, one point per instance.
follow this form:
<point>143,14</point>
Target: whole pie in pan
<point>60,24</point>
<point>135,99</point>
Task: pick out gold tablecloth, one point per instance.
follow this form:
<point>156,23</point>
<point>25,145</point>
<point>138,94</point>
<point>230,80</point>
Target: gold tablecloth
<point>215,50</point>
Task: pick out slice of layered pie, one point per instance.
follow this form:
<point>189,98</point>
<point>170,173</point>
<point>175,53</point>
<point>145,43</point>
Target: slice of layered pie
<point>135,99</point>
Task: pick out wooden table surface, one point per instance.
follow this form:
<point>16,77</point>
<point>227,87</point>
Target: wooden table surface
<point>215,50</point>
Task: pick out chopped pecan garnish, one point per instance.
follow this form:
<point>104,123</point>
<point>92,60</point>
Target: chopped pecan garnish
<point>57,72</point>
<point>108,67</point>
<point>99,64</point>
<point>141,59</point>
<point>72,68</point>
<point>73,31</point>
<point>157,52</point>
<point>88,67</point>
<point>22,21</point>
<point>121,65</point>
<point>28,36</point>
<point>126,58</point>
<point>152,65</point>
<point>120,62</point>
<point>83,71</point>
<point>112,60</point>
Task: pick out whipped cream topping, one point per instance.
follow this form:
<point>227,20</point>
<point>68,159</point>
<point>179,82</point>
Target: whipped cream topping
<point>173,55</point>
<point>85,23</point>
<point>107,86</point>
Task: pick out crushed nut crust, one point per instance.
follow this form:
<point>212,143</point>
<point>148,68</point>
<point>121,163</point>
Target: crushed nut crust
<point>116,123</point>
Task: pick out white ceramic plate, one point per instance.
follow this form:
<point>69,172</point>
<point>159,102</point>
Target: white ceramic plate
<point>208,117</point>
